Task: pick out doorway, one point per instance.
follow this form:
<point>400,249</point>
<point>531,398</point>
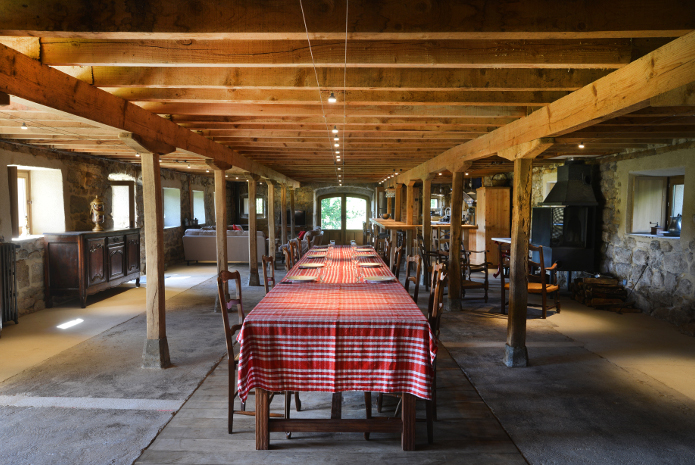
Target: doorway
<point>342,217</point>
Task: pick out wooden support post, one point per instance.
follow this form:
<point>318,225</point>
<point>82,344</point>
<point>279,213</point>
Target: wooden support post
<point>262,420</point>
<point>254,280</point>
<point>389,208</point>
<point>156,351</point>
<point>426,198</point>
<point>283,214</point>
<point>221,221</point>
<point>515,354</point>
<point>292,225</point>
<point>397,207</point>
<point>409,216</point>
<point>271,217</point>
<point>454,271</point>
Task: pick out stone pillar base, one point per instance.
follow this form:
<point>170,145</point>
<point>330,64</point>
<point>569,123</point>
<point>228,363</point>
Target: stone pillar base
<point>156,353</point>
<point>515,356</point>
<point>254,280</point>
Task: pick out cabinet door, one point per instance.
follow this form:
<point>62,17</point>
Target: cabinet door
<point>116,261</point>
<point>132,244</point>
<point>96,253</point>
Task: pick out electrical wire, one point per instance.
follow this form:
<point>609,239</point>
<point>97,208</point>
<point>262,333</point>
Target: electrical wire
<point>318,87</point>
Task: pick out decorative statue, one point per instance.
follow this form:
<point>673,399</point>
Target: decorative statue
<point>96,210</point>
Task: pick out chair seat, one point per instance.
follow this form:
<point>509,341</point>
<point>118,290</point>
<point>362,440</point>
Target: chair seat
<point>537,288</point>
<point>465,284</point>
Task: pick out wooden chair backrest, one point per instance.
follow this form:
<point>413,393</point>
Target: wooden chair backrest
<point>294,250</point>
<point>435,315</point>
<point>541,266</point>
<point>289,263</point>
<point>268,264</point>
<point>226,304</point>
<point>397,260</point>
<point>435,271</point>
<point>415,278</point>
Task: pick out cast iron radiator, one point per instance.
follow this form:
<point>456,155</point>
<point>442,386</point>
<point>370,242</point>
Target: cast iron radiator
<point>8,282</point>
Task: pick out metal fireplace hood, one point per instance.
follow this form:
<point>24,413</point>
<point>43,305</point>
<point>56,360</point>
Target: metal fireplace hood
<point>573,187</point>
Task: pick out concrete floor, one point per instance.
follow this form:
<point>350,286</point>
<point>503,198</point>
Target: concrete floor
<point>602,388</point>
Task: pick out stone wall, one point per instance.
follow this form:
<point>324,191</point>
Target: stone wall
<point>660,270</point>
<point>30,279</point>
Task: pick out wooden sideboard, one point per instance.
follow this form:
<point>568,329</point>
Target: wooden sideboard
<point>88,262</point>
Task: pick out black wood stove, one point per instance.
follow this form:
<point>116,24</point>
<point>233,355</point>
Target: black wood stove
<point>565,224</point>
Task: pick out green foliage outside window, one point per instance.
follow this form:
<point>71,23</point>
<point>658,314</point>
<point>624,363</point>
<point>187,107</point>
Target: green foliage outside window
<point>330,213</point>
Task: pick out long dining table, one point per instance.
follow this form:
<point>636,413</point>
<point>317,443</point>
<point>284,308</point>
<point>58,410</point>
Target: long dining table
<point>337,332</point>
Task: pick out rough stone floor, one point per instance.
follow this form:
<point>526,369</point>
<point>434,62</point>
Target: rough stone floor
<point>582,400</point>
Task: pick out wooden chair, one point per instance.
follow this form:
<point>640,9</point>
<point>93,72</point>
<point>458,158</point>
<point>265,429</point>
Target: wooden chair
<point>289,263</point>
<point>537,282</point>
<point>415,278</point>
<point>230,332</point>
<point>295,250</point>
<point>467,270</point>
<point>383,248</point>
<point>434,315</point>
<point>398,259</point>
<point>268,264</point>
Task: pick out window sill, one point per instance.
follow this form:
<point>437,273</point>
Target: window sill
<point>653,236</point>
<point>172,227</point>
<point>27,238</point>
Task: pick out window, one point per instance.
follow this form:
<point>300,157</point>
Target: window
<point>199,206</point>
<point>37,203</point>
<point>355,213</point>
<point>331,213</point>
<point>434,203</point>
<point>260,206</point>
<point>123,204</point>
<point>656,196</point>
<point>24,202</point>
<point>172,207</point>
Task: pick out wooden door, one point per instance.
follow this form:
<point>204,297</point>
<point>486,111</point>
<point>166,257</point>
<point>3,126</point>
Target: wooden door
<point>343,217</point>
<point>132,247</point>
<point>116,261</point>
<point>96,261</point>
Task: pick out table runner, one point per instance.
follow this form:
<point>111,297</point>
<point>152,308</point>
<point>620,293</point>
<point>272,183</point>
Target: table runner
<point>331,336</point>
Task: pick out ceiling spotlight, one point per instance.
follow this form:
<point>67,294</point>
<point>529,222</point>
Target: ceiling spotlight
<point>332,98</point>
<point>207,171</point>
<point>335,130</point>
<point>336,138</point>
<point>337,145</point>
<point>440,174</point>
<point>24,126</point>
<point>337,151</point>
<point>189,165</point>
<point>465,174</point>
<point>581,145</point>
<point>226,175</point>
<point>339,168</point>
<point>137,154</point>
<point>237,177</point>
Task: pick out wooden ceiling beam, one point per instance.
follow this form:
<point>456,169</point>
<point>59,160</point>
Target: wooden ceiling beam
<point>624,90</point>
<point>563,54</point>
<point>30,80</point>
<point>424,111</point>
<point>396,79</point>
<point>349,121</point>
<point>397,20</point>
<point>309,96</point>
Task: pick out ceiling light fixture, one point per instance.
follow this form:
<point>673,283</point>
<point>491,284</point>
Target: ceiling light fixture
<point>337,145</point>
<point>337,151</point>
<point>332,98</point>
<point>465,174</point>
<point>336,138</point>
<point>335,130</point>
<point>207,171</point>
<point>24,126</point>
<point>440,174</point>
<point>237,177</point>
<point>339,168</point>
<point>137,155</point>
<point>189,165</point>
<point>581,145</point>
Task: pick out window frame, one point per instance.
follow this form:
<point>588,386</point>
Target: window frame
<point>26,175</point>
<point>668,182</point>
<point>243,213</point>
<point>193,209</point>
<point>164,207</point>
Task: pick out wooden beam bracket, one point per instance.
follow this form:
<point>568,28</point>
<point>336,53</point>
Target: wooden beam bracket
<point>527,149</point>
<point>144,145</point>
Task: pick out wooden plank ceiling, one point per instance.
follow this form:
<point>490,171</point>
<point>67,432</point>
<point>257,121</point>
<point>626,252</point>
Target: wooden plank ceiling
<point>417,78</point>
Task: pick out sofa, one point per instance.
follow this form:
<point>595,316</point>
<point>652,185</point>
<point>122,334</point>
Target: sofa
<point>200,245</point>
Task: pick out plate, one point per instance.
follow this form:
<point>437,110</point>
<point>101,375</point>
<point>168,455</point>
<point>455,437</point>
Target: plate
<point>301,278</point>
<point>311,265</point>
<point>317,256</point>
<point>320,247</point>
<point>370,265</point>
<point>379,279</point>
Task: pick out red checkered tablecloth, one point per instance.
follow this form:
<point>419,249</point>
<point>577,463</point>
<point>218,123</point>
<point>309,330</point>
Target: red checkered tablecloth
<point>340,334</point>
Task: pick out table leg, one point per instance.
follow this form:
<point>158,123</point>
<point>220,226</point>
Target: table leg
<point>262,420</point>
<point>408,419</point>
<point>337,406</point>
